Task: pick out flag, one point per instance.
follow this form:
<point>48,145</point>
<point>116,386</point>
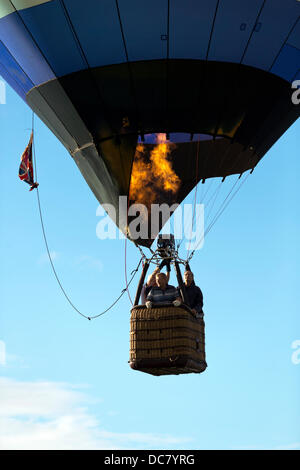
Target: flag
<point>26,167</point>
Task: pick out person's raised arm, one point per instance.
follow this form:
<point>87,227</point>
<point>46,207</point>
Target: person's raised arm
<point>167,263</point>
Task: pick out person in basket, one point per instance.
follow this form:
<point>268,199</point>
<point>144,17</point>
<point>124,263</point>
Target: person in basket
<point>163,293</point>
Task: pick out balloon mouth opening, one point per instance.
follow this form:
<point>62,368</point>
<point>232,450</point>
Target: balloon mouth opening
<point>177,137</point>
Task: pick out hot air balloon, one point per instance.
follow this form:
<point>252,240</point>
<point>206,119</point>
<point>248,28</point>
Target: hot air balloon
<point>110,78</point>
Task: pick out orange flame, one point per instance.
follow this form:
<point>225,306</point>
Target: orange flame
<point>153,176</point>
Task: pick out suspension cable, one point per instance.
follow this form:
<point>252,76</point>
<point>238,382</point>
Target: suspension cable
<point>225,204</point>
<point>219,213</point>
<point>195,197</point>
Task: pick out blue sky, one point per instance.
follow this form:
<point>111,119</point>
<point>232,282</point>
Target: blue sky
<point>66,382</point>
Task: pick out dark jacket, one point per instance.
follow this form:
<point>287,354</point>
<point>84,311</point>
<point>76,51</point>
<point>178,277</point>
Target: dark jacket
<point>195,297</point>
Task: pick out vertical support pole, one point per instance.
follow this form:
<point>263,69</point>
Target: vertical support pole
<point>181,284</point>
<point>141,282</point>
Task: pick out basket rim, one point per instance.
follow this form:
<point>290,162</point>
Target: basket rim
<point>164,305</point>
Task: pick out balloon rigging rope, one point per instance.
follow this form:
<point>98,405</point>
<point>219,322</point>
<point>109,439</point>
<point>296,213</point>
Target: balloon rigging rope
<point>213,200</point>
<point>225,204</point>
<point>50,258</point>
<point>214,193</point>
<point>220,212</point>
<point>194,202</point>
<point>195,197</point>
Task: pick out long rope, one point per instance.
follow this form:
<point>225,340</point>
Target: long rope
<point>50,259</point>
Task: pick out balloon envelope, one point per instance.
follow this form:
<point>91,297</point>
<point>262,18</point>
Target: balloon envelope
<point>108,76</point>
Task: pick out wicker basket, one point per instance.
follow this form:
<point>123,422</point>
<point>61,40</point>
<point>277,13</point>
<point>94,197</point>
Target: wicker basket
<point>166,340</point>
